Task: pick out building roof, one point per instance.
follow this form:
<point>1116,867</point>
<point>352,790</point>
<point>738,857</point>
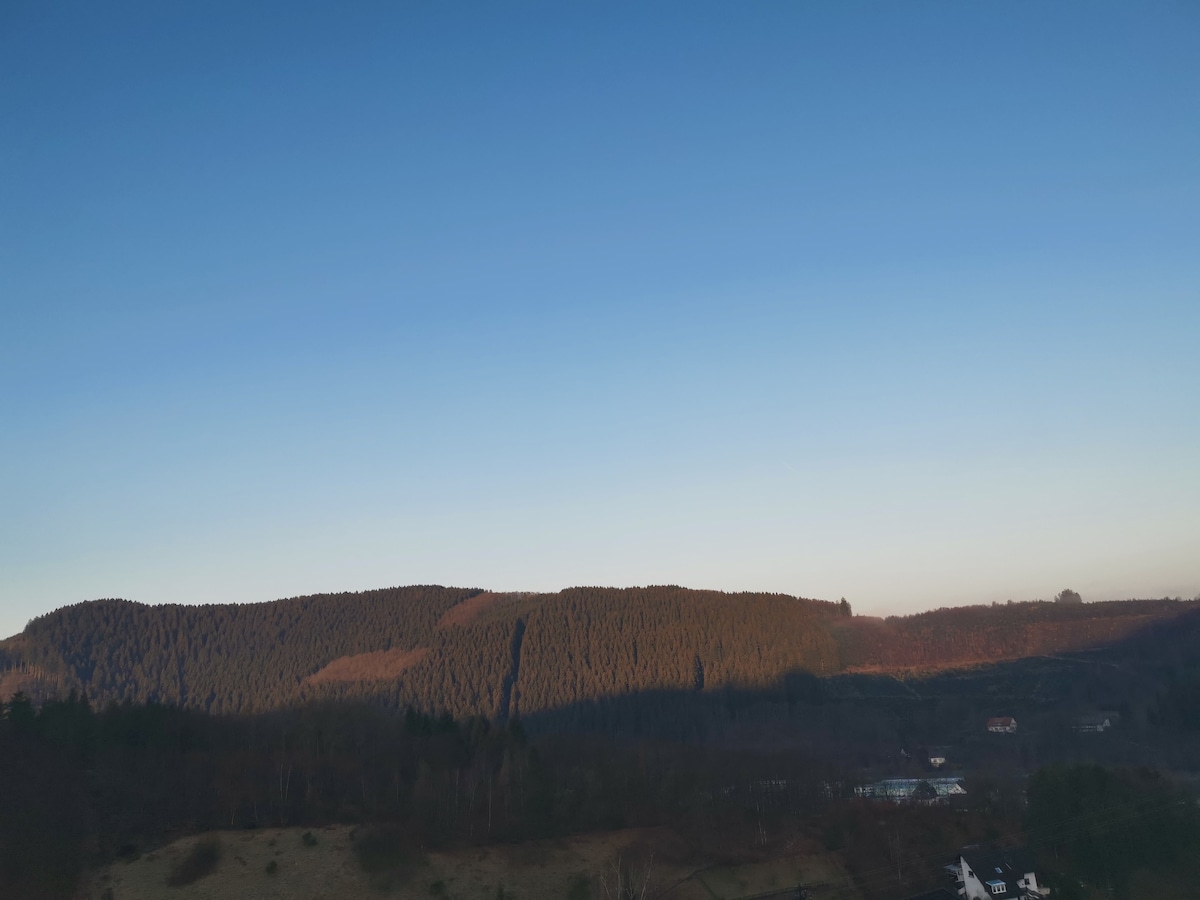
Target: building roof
<point>925,791</point>
<point>1009,866</point>
<point>1001,720</point>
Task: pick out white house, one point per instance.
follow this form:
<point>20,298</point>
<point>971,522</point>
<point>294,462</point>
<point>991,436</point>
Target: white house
<point>1002,725</point>
<point>996,875</point>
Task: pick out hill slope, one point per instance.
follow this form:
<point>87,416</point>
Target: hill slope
<point>470,652</point>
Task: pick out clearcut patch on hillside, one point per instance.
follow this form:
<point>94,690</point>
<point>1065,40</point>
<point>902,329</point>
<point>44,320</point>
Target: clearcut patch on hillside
<point>378,665</point>
<point>468,611</point>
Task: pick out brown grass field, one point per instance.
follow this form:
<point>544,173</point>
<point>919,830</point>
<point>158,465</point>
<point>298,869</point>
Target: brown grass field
<point>578,868</point>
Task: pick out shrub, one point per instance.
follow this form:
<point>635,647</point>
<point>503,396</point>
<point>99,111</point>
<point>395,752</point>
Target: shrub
<point>387,856</point>
<point>201,860</point>
<point>310,839</point>
<point>272,867</point>
<point>580,888</point>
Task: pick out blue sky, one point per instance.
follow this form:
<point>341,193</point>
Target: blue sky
<point>896,302</point>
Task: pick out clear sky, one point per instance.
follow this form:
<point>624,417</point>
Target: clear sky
<point>897,301</point>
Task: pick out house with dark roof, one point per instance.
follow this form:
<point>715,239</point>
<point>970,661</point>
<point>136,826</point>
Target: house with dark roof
<point>1093,723</point>
<point>1002,725</point>
<point>996,875</point>
<point>925,794</point>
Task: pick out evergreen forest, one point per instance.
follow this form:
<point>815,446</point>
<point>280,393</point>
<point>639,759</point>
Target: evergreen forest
<point>469,652</point>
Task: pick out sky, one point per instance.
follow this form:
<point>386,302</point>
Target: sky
<point>896,302</point>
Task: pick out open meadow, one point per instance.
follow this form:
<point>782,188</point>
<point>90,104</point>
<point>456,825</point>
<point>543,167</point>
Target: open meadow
<point>325,866</point>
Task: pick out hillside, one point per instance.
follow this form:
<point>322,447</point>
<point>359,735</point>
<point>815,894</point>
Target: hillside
<point>969,635</point>
<point>471,652</point>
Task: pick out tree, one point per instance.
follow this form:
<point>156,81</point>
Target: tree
<point>1068,596</point>
<point>1106,824</point>
<point>844,607</point>
<point>21,714</point>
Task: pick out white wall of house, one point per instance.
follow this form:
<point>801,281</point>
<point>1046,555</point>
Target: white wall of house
<point>975,889</point>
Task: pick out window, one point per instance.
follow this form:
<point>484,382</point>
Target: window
<point>997,887</point>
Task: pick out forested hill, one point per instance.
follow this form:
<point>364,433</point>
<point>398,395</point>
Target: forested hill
<point>470,652</point>
<point>965,635</point>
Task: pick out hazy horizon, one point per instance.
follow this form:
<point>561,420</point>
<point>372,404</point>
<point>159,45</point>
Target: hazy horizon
<point>890,302</point>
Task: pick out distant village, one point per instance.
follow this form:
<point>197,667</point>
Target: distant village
<point>980,872</point>
<point>935,790</point>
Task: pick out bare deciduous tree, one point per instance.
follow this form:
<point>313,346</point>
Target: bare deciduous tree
<point>625,882</point>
